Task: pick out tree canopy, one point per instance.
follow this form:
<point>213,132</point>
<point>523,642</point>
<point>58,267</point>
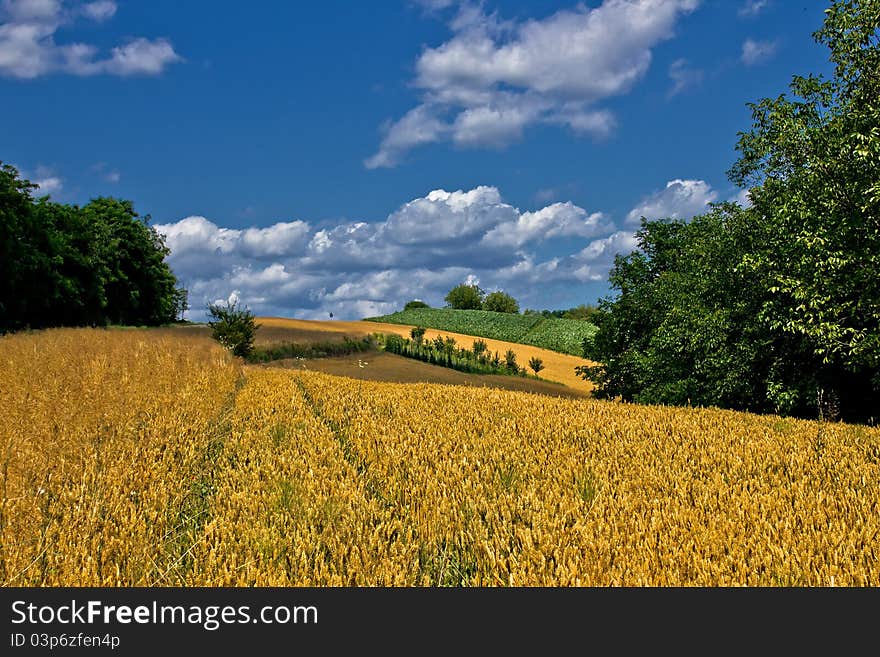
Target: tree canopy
<point>774,307</point>
<point>64,265</point>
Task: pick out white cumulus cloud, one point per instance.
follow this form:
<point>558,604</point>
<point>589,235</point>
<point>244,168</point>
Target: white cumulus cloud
<point>422,249</point>
<point>28,48</point>
<point>493,78</point>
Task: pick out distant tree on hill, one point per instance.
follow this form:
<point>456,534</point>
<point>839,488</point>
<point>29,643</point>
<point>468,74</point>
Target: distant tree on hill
<point>465,297</point>
<point>414,304</point>
<point>500,302</point>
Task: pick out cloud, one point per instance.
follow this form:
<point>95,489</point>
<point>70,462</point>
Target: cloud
<point>99,11</point>
<point>752,8</point>
<point>755,52</point>
<point>28,48</point>
<point>680,199</point>
<point>106,174</point>
<point>683,77</point>
<point>557,220</point>
<point>422,249</point>
<point>493,78</point>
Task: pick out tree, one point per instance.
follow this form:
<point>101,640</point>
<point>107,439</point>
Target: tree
<point>775,306</point>
<point>813,161</point>
<point>64,265</point>
<point>536,364</point>
<point>500,302</point>
<point>510,361</point>
<point>480,347</point>
<point>465,297</point>
<point>415,304</point>
<point>233,327</point>
<point>417,333</point>
<point>582,312</point>
<point>140,287</point>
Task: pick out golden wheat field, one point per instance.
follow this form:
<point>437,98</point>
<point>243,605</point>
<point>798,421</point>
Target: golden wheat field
<point>133,458</point>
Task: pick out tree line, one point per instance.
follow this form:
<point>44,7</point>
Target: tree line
<point>773,307</point>
<point>91,265</point>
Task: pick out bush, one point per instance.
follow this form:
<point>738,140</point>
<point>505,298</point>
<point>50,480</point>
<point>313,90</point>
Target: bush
<point>417,334</point>
<point>415,303</point>
<point>465,297</point>
<point>536,364</point>
<point>233,327</point>
<point>501,302</point>
<point>510,361</point>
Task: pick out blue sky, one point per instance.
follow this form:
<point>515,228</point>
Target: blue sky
<point>346,157</point>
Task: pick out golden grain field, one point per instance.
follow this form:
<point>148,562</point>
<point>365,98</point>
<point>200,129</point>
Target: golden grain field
<point>137,459</point>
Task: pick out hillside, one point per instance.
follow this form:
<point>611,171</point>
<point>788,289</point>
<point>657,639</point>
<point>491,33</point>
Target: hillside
<point>558,367</point>
<point>563,335</point>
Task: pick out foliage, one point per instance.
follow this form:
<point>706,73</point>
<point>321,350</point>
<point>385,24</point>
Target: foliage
<point>415,303</point>
<point>445,353</point>
<point>279,351</point>
<point>584,312</point>
<point>562,335</point>
<point>233,327</point>
<point>417,334</point>
<point>64,265</point>
<point>465,297</point>
<point>787,310</point>
<point>500,302</point>
<point>510,361</point>
<point>536,364</point>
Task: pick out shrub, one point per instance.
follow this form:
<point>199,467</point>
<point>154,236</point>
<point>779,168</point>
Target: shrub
<point>233,327</point>
<point>417,334</point>
<point>510,361</point>
<point>536,364</point>
<point>415,303</point>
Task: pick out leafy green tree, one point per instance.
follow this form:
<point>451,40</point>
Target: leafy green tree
<point>233,327</point>
<point>465,297</point>
<point>64,265</point>
<point>814,162</point>
<point>510,361</point>
<point>140,287</point>
<point>415,304</point>
<point>500,302</point>
<point>775,307</point>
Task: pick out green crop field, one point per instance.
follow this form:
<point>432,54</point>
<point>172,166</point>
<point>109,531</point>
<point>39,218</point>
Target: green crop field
<point>562,335</point>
